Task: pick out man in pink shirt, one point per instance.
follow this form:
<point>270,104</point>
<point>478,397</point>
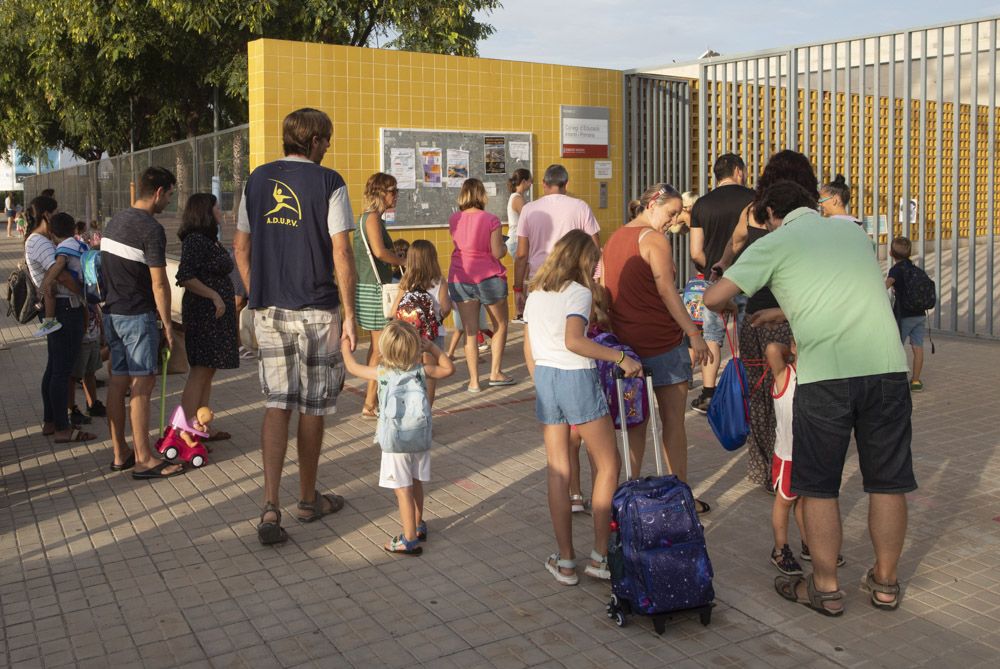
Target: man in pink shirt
<point>543,222</point>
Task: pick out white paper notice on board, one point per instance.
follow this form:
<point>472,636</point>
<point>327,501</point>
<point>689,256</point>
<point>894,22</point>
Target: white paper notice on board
<point>491,188</point>
<point>403,166</point>
<point>458,167</point>
<point>602,169</point>
<point>519,150</point>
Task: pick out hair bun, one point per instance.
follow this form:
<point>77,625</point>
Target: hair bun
<point>840,180</point>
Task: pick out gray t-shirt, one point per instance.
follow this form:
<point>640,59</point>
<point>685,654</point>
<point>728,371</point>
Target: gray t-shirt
<point>133,242</point>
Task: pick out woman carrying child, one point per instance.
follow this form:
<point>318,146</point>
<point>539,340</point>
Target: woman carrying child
<point>423,300</point>
<point>561,361</point>
<point>404,422</point>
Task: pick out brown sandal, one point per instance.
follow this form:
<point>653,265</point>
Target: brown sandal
<point>872,586</point>
<point>787,587</point>
<point>316,507</point>
<point>270,532</point>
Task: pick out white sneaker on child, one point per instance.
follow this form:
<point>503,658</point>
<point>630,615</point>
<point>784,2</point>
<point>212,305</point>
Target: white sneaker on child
<point>48,327</point>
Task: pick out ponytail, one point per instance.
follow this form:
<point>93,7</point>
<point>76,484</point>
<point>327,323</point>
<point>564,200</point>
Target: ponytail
<point>519,176</point>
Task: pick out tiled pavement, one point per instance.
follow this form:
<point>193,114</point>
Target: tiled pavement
<point>99,570</point>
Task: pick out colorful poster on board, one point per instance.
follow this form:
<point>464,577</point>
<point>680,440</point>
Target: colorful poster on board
<point>495,150</point>
<point>430,161</point>
<point>458,167</point>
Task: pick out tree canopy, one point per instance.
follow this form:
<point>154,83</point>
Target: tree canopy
<point>88,75</point>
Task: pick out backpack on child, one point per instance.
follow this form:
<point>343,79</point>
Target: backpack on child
<point>93,280</point>
<point>404,419</point>
<point>417,308</point>
<point>22,296</point>
<point>919,291</point>
<point>694,298</point>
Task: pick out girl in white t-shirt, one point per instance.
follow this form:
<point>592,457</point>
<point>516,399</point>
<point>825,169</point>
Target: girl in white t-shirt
<point>561,358</point>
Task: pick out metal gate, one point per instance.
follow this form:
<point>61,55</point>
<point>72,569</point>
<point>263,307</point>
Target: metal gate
<point>909,118</point>
<point>658,144</point>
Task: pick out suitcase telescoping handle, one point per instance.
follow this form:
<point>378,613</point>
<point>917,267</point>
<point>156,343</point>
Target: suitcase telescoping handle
<point>652,418</point>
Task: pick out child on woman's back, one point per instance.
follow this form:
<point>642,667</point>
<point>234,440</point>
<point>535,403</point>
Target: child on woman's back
<point>423,300</point>
<point>561,361</point>
<point>404,422</point>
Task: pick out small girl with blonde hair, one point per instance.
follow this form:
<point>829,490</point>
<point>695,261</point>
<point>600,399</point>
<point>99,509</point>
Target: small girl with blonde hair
<point>423,299</point>
<point>404,422</point>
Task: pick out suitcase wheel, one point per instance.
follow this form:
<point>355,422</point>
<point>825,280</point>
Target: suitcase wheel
<point>619,618</point>
<point>659,624</point>
<point>706,616</point>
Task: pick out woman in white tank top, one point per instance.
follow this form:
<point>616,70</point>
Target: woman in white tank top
<point>519,183</point>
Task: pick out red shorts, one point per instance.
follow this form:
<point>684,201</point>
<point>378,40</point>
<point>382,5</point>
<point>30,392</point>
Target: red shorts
<point>781,477</point>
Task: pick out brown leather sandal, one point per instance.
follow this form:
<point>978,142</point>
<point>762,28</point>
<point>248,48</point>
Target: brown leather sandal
<point>270,532</point>
<point>316,506</point>
<point>872,587</point>
<point>787,587</point>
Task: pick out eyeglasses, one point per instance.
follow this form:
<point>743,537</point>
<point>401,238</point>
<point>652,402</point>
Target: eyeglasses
<point>824,199</point>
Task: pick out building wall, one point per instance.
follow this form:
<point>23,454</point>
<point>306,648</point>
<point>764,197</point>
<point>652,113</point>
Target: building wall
<point>364,90</point>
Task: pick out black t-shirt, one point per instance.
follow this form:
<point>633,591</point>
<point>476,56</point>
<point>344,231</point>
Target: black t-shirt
<point>763,298</point>
<point>899,288</point>
<point>717,213</point>
<point>132,243</point>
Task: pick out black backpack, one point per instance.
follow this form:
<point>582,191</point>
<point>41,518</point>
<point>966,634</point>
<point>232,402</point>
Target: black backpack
<point>22,297</point>
<point>919,292</point>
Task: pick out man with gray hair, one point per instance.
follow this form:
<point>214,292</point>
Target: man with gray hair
<point>543,222</point>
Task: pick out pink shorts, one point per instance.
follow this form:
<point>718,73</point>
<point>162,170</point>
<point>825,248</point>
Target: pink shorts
<point>781,477</point>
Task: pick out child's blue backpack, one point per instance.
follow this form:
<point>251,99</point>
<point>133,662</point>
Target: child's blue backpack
<point>694,298</point>
<point>404,418</point>
<point>93,280</point>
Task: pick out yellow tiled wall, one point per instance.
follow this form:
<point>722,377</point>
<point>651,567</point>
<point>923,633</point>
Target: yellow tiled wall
<point>364,90</point>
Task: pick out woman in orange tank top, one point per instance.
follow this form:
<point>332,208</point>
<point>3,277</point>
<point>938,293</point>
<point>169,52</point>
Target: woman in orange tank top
<point>647,314</point>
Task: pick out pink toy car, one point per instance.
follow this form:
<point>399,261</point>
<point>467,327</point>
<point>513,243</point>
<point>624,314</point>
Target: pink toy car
<point>175,448</point>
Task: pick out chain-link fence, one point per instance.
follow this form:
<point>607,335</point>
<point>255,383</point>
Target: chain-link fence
<point>96,190</point>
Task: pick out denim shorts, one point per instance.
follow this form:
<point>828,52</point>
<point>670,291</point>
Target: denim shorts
<point>134,342</point>
<point>670,368</point>
<point>571,396</point>
<point>877,410</point>
<point>913,328</point>
<point>490,291</point>
<point>713,327</point>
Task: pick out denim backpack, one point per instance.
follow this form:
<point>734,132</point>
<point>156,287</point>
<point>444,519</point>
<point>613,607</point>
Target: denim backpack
<point>404,418</point>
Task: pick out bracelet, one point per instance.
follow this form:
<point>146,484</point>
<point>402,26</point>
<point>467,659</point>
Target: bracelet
<point>621,359</point>
<point>518,289</point>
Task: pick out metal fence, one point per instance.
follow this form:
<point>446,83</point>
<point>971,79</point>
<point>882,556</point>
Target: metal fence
<point>96,190</point>
<point>909,118</point>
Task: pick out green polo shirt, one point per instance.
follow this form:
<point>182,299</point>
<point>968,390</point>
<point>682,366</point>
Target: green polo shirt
<point>831,288</point>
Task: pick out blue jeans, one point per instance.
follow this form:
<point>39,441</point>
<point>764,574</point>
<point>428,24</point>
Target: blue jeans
<point>713,327</point>
<point>63,347</point>
<point>134,342</point>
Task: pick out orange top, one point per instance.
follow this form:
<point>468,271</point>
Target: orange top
<point>639,317</point>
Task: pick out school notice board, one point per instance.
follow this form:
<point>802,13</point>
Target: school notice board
<point>430,166</point>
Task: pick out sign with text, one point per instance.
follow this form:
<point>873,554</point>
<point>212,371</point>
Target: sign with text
<point>584,131</point>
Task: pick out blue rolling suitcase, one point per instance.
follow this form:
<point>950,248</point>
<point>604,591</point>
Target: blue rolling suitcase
<point>657,557</point>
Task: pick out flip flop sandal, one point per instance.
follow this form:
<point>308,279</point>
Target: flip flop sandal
<point>872,586</point>
<point>270,532</point>
<point>701,507</point>
<point>403,547</point>
<point>576,504</point>
<point>156,472</point>
<point>787,587</point>
<point>502,382</point>
<point>77,435</point>
<point>128,464</point>
<point>369,414</point>
<point>336,504</point>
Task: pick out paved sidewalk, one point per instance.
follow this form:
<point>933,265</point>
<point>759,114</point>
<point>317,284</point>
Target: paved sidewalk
<point>99,570</point>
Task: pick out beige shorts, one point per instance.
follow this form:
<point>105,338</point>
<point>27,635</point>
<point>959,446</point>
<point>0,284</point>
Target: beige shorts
<point>398,470</point>
<point>300,363</point>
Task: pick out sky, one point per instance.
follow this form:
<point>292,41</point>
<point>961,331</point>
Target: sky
<point>626,34</point>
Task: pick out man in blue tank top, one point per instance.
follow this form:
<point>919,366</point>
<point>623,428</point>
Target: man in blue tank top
<point>294,254</point>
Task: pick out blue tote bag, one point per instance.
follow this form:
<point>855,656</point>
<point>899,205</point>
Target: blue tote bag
<point>729,411</point>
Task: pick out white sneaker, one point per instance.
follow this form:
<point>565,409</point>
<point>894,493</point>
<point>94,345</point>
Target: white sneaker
<point>48,327</point>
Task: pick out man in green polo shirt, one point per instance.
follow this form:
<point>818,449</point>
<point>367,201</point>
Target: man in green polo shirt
<point>851,377</point>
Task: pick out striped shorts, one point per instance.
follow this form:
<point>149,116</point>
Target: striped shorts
<point>300,364</point>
